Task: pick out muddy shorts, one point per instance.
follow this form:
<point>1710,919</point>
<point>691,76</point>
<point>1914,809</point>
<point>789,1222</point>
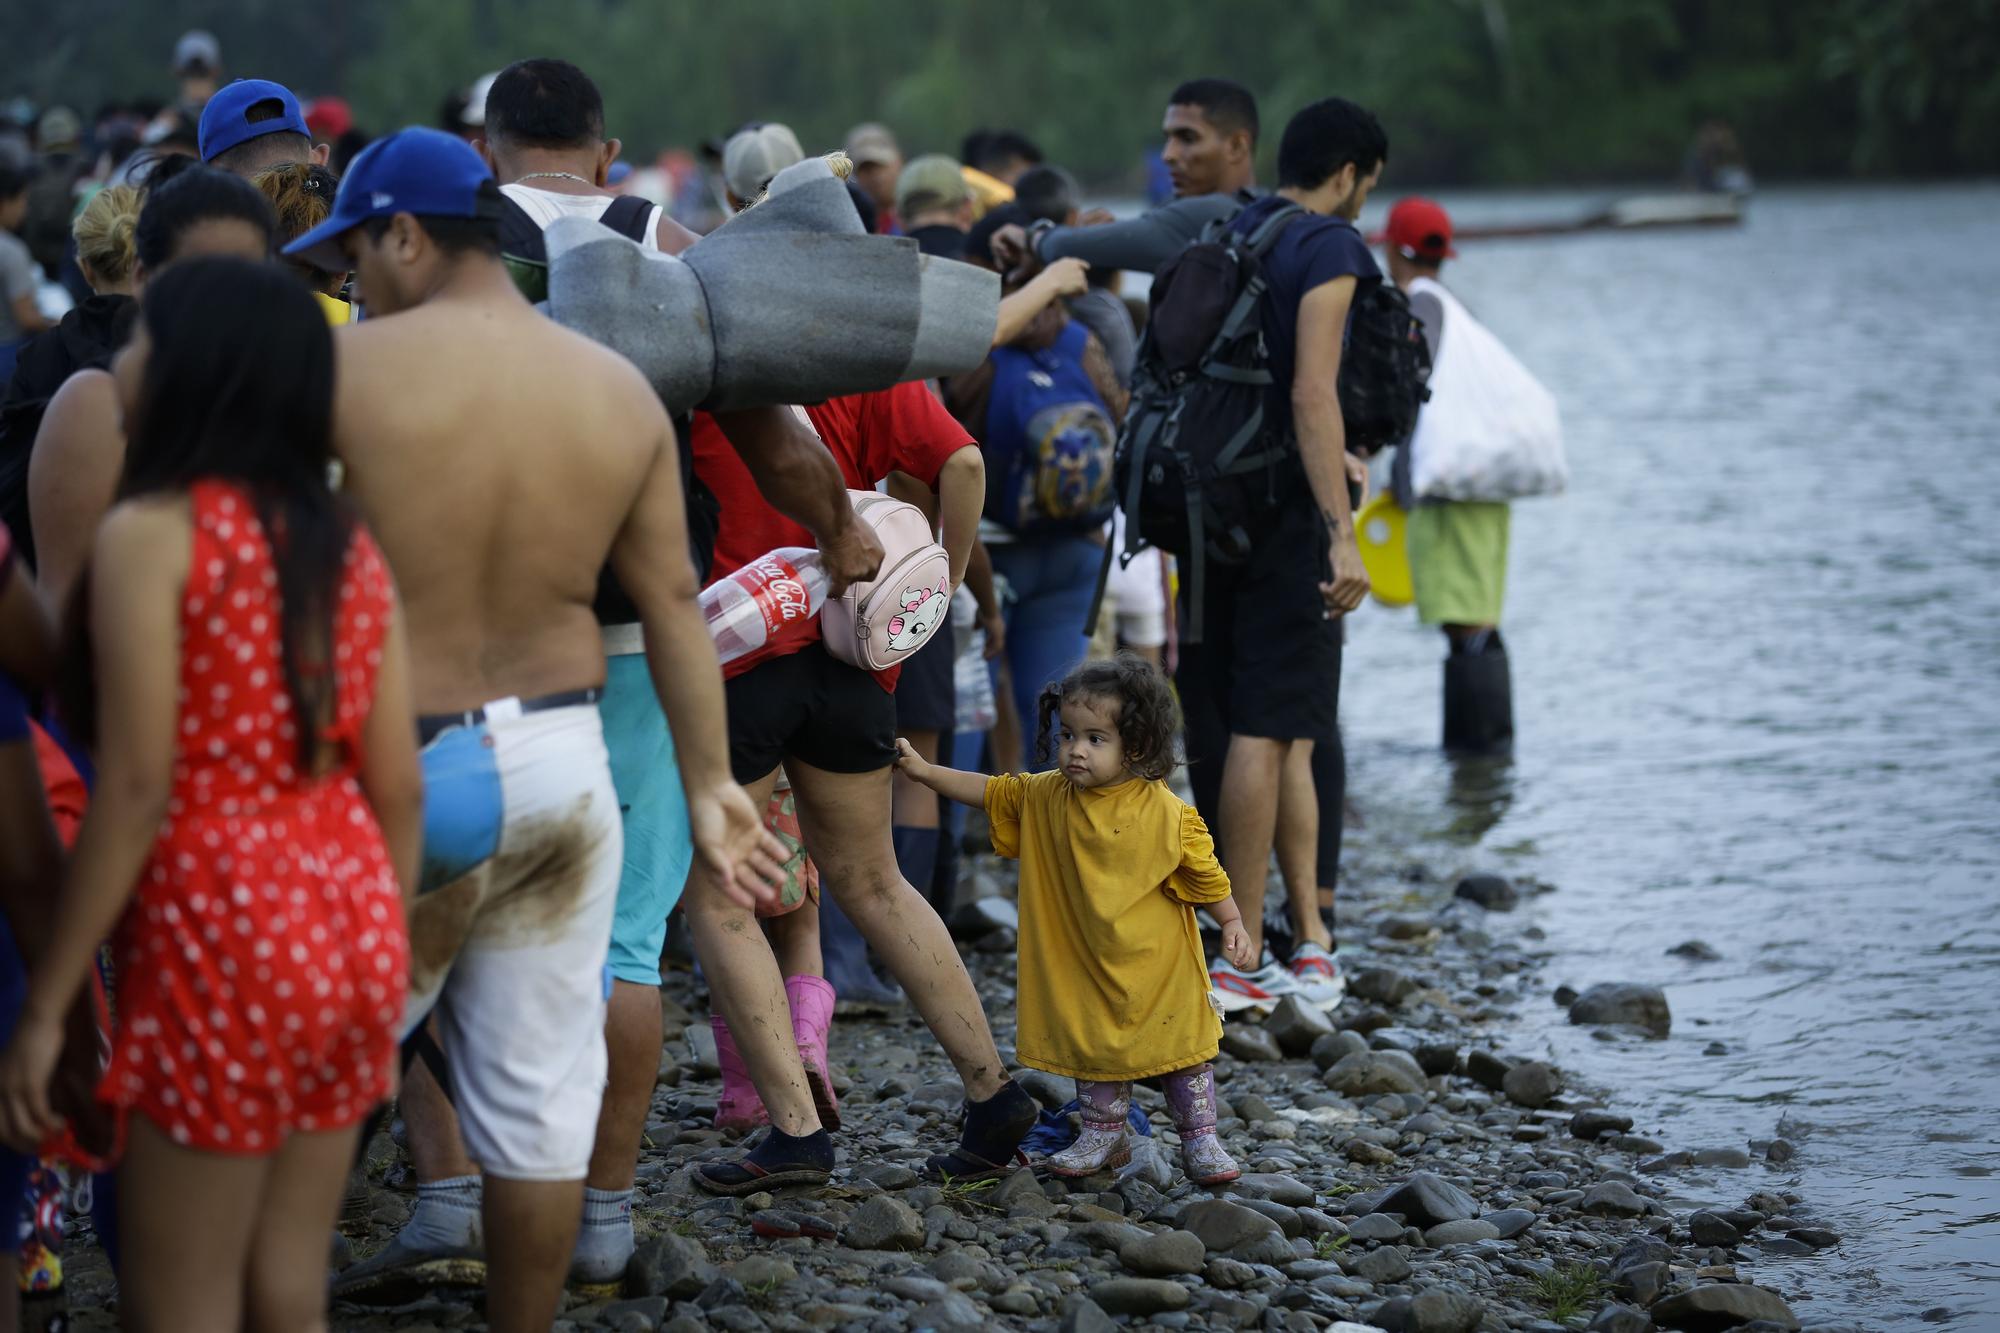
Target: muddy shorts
<point>512,924</point>
<point>658,843</point>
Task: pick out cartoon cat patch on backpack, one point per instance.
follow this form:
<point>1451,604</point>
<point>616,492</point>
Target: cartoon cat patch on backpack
<point>923,608</point>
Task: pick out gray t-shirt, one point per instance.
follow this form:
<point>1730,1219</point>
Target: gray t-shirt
<point>1145,243</point>
<point>17,279</point>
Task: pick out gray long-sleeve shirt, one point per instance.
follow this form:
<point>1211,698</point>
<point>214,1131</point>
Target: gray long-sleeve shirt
<point>1144,243</point>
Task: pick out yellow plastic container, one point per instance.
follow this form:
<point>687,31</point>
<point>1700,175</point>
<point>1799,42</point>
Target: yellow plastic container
<point>1379,529</point>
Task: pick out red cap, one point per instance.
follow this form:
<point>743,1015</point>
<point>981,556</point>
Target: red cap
<point>1420,229</point>
<point>329,118</point>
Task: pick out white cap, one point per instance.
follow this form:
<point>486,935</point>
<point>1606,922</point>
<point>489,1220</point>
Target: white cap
<point>753,156</point>
<point>198,47</point>
<point>474,114</point>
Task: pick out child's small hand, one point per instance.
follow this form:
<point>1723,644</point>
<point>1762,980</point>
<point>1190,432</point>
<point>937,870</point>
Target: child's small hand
<point>1236,946</point>
<point>908,760</point>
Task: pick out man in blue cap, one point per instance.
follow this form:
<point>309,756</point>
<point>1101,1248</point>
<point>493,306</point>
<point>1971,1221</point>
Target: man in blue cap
<point>252,125</point>
<point>503,461</point>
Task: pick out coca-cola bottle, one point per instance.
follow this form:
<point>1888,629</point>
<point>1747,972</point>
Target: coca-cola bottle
<point>774,596</point>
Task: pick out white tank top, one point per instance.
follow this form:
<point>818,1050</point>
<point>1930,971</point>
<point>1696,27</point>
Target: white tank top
<point>545,206</point>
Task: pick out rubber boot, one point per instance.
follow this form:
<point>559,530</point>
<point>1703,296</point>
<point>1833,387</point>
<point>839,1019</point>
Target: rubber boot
<point>811,999</point>
<point>1102,1145</point>
<point>847,967</point>
<point>1478,696</point>
<point>739,1107</point>
<point>1191,1102</point>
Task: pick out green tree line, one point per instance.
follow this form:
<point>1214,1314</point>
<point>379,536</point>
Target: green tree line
<point>1472,91</point>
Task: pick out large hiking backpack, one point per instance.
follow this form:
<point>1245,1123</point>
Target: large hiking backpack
<point>526,254</point>
<point>1048,440</point>
<point>1385,369</point>
<point>1198,465</point>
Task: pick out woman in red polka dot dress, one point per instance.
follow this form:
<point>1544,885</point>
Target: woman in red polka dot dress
<point>258,805</point>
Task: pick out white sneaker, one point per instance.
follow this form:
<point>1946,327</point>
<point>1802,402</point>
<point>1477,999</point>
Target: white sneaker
<point>1317,974</point>
<point>1261,989</point>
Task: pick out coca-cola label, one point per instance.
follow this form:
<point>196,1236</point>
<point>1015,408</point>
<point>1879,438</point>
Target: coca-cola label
<point>777,589</point>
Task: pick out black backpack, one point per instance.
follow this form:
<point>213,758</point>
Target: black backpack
<point>527,255</point>
<point>1385,369</point>
<point>1198,468</point>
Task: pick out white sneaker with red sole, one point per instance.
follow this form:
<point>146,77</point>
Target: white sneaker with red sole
<point>1317,973</point>
<point>1261,989</point>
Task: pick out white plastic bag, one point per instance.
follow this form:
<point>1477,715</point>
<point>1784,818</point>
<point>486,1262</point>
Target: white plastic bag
<point>1490,431</point>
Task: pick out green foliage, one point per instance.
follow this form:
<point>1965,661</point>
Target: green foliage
<point>1325,1247</point>
<point>1470,90</point>
<point>1568,1291</point>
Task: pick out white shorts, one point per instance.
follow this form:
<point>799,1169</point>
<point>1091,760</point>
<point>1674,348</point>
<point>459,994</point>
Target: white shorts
<point>1138,593</point>
<point>523,849</point>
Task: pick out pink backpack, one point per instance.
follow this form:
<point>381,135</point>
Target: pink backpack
<point>877,624</point>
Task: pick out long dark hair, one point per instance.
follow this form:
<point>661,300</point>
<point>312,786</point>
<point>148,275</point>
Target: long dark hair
<point>238,387</point>
<point>179,198</point>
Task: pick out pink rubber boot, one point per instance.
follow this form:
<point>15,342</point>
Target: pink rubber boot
<point>1102,1145</point>
<point>811,999</point>
<point>739,1107</point>
<point>1191,1102</point>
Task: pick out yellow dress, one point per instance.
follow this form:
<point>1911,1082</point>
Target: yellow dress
<point>1113,982</point>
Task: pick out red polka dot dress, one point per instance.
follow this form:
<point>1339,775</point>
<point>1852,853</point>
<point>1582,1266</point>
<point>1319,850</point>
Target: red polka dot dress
<point>262,962</point>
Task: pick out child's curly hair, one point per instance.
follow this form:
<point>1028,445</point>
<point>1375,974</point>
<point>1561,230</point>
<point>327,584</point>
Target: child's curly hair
<point>1149,718</point>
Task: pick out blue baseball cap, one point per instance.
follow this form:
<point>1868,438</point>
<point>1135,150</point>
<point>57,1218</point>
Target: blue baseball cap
<point>225,121</point>
<point>422,171</point>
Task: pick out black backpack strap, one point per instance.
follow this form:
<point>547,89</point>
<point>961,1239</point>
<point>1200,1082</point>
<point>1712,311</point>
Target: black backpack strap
<point>1103,579</point>
<point>630,216</point>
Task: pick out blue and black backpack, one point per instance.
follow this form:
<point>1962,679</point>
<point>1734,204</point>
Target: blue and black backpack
<point>1049,440</point>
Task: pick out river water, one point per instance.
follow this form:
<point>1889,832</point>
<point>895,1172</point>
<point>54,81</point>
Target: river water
<point>1754,654</point>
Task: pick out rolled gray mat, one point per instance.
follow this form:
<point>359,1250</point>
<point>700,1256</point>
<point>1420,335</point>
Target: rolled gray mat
<point>789,302</point>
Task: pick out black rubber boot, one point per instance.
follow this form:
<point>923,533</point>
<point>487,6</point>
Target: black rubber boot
<point>1478,697</point>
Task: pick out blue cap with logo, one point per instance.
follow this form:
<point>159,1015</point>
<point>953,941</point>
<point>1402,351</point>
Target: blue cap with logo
<point>225,121</point>
<point>422,171</point>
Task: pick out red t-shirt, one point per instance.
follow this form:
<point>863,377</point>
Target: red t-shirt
<point>902,429</point>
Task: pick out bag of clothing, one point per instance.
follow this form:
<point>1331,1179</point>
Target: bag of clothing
<point>1491,431</point>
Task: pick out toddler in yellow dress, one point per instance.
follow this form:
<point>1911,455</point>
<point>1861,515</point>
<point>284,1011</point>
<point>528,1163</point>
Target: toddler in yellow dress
<point>1113,983</point>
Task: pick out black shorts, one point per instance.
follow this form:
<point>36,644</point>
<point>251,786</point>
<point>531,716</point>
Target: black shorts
<point>1269,660</point>
<point>809,707</point>
<point>927,690</point>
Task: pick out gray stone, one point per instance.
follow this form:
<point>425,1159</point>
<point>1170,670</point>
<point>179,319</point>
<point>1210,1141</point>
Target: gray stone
<point>1672,1161</point>
<point>1487,1069</point>
<point>1635,1143</point>
<point>643,1312</point>
<point>1139,1295</point>
<point>1544,1180</point>
<point>1641,1250</point>
<point>1275,1187</point>
<point>1052,1090</point>
<point>758,1269</point>
<point>1084,1315</point>
<point>1783,1246</point>
<point>1532,1084</point>
<point>883,1223</point>
<point>670,1265</point>
<point>1376,1226</point>
<point>1612,1198</point>
<point>1595,1124</point>
<point>1376,1072</point>
<point>1817,1237</point>
<point>911,1288</point>
<point>1734,1159</point>
<point>1364,1153</point>
<point>1695,951</point>
<point>1249,1043</point>
<point>1228,1274</point>
<point>1446,1309</point>
<point>1623,1002</point>
<point>1465,1231</point>
<point>1017,1187</point>
<point>1491,892</point>
<point>1254,1110</point>
<point>1331,1049</point>
<point>1388,1264</point>
<point>889,1175</point>
<point>1286,1218</point>
<point>1620,1319</point>
<point>1437,1057</point>
<point>952,1310</point>
<point>1393,1314</point>
<point>1723,1305</point>
<point>1296,1025</point>
<point>701,1050</point>
<point>1510,1222</point>
<point>1641,1284</point>
<point>1164,1254</point>
<point>1426,1199</point>
<point>1017,1301</point>
<point>1382,985</point>
<point>1779,1151</point>
<point>1225,1225</point>
<point>1705,1228</point>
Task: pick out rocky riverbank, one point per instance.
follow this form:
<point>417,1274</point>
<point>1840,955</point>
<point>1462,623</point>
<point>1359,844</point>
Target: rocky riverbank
<point>1404,1171</point>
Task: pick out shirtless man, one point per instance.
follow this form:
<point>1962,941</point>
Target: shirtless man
<point>501,461</point>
